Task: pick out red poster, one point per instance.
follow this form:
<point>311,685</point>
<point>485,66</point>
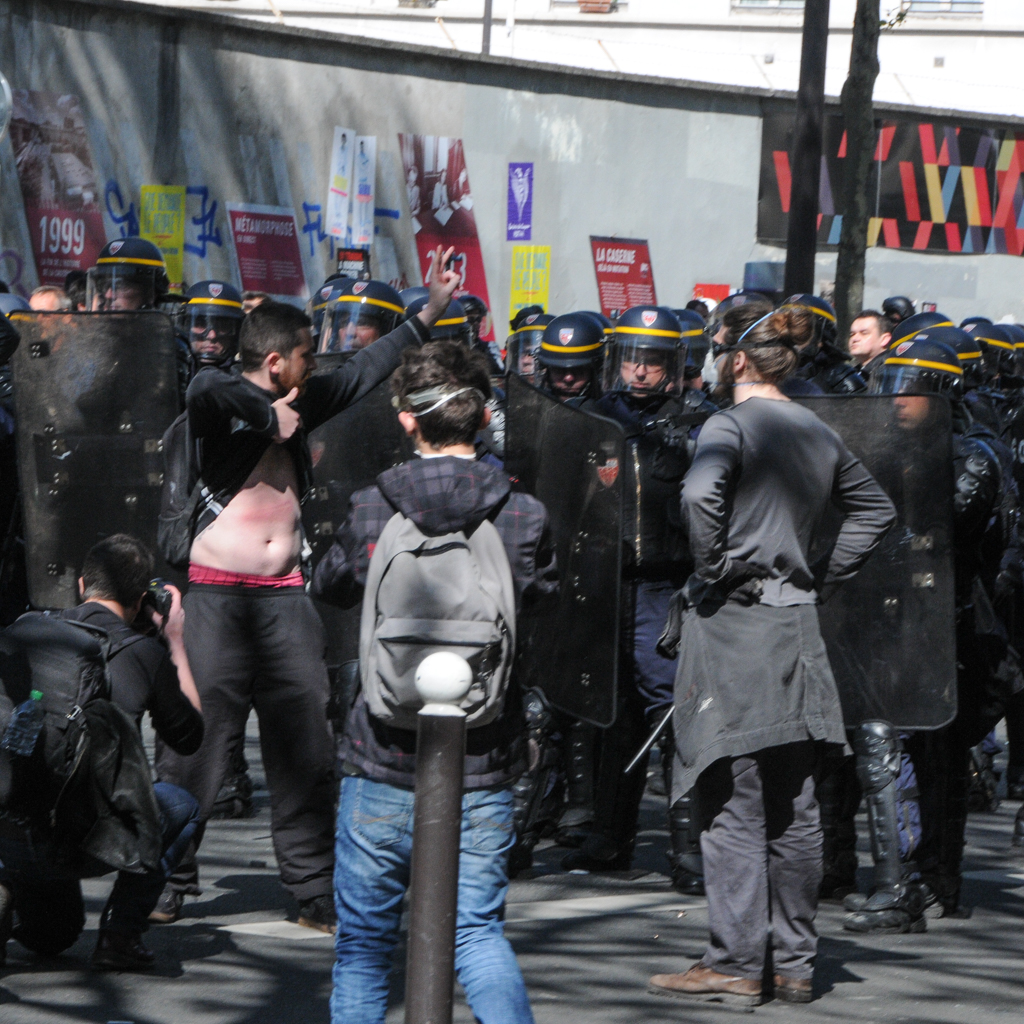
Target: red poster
<point>625,277</point>
<point>58,184</point>
<point>267,248</point>
<point>441,207</point>
<point>715,292</point>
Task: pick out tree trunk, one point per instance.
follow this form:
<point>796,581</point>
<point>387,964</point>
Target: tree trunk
<point>858,115</point>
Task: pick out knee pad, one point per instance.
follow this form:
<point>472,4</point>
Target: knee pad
<point>878,748</point>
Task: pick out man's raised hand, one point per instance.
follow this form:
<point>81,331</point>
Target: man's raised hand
<point>288,419</point>
<point>442,287</point>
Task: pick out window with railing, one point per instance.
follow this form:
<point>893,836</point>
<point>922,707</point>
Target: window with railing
<point>768,5</point>
<point>933,7</point>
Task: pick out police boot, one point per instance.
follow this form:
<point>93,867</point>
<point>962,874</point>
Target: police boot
<point>685,860</point>
<point>1015,782</point>
<point>943,885</point>
<point>234,799</point>
<point>530,789</point>
<point>984,781</point>
<point>1018,828</point>
<point>577,819</point>
<point>838,794</point>
<point>894,904</point>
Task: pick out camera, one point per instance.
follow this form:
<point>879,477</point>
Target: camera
<point>157,596</point>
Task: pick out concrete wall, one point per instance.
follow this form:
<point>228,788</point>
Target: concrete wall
<point>246,112</point>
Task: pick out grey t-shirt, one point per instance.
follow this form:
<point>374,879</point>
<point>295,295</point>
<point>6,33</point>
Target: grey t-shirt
<point>763,476</point>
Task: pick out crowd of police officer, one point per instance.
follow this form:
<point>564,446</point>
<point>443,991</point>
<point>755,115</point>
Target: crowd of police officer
<point>653,371</point>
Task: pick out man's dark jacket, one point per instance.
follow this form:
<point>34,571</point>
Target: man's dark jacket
<point>440,495</point>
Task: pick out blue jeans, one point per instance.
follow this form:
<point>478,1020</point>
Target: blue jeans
<point>373,851</point>
<point>49,901</point>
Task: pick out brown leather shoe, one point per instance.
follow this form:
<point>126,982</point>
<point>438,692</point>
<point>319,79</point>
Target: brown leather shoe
<point>792,990</point>
<point>702,983</point>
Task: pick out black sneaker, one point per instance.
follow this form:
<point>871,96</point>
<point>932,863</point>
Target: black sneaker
<point>319,913</point>
<point>168,907</point>
<point>116,951</point>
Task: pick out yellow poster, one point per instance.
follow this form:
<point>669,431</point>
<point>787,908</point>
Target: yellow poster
<point>162,222</point>
<point>531,277</point>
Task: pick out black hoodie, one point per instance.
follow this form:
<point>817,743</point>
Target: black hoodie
<point>440,495</point>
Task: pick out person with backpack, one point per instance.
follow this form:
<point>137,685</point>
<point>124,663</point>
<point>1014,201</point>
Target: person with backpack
<point>443,555</point>
<point>42,854</point>
<point>253,635</point>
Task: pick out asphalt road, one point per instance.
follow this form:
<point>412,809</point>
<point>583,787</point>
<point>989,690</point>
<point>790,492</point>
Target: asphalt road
<point>587,945</point>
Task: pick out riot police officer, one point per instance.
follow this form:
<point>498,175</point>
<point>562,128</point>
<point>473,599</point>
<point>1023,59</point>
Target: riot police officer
<point>210,320</point>
<point>358,313</point>
<point>821,360</point>
<point>478,317</point>
<point>453,324</point>
<point>524,346</point>
<point>898,308</point>
<point>940,758</point>
<point>905,330</point>
<point>643,390</point>
<point>129,274</point>
<point>569,359</point>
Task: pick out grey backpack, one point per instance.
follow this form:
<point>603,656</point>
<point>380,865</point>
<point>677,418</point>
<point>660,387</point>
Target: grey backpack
<point>427,594</point>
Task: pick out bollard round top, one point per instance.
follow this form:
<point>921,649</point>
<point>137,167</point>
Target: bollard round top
<point>443,678</point>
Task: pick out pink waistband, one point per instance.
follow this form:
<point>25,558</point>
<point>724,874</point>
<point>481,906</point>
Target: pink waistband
<point>223,578</point>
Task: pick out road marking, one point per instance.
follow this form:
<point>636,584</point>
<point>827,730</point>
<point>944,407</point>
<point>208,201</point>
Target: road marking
<point>276,930</point>
<point>596,906</point>
<point>1014,878</point>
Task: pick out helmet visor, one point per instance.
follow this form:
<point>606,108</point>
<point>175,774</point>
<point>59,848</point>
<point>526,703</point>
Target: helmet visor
<point>522,354</point>
<point>635,366</point>
<point>115,287</point>
<point>914,380</point>
<point>211,338</point>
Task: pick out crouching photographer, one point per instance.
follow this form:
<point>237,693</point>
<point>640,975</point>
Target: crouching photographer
<point>76,795</point>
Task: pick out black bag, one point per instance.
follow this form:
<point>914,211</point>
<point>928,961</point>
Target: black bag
<point>182,495</point>
<point>66,661</point>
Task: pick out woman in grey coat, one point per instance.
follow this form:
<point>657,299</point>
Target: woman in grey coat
<point>754,691</point>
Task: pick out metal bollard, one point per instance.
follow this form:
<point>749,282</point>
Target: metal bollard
<point>442,680</point>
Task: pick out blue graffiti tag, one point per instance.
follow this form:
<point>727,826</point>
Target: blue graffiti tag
<point>14,281</point>
<point>209,233</point>
<point>127,220</point>
<point>315,228</point>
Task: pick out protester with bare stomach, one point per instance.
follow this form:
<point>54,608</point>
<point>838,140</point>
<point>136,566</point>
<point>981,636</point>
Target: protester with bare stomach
<point>253,636</point>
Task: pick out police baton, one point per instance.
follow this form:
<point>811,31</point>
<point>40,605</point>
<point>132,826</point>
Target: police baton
<point>442,680</point>
<point>650,741</point>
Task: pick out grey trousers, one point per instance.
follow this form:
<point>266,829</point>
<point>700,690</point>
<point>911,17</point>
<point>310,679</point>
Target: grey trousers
<point>762,861</point>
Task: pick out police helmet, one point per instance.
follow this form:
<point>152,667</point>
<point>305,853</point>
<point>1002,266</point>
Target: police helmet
<point>906,329</point>
<point>571,350</point>
<point>524,346</point>
<point>1016,331</point>
<point>607,327</point>
<point>11,303</point>
<point>897,308</point>
<point>452,325</point>
<point>210,321</point>
<point>968,351</point>
<point>357,313</point>
<point>410,295</point>
<point>696,338</point>
<point>920,366</point>
<point>824,317</point>
<point>999,348</point>
<point>477,315</point>
<point>971,323</point>
<point>330,289</point>
<point>519,318</point>
<point>646,354</point>
<point>129,274</point>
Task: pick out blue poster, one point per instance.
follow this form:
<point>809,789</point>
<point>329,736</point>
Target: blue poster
<point>520,202</point>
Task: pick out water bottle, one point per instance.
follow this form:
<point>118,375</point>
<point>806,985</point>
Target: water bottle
<point>25,725</point>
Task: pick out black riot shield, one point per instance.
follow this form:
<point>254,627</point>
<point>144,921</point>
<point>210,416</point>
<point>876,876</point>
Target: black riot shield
<point>93,394</point>
<point>891,630</point>
<point>570,460</point>
<point>349,452</point>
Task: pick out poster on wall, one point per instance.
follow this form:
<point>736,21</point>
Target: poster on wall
<point>58,183</point>
<point>339,187</point>
<point>267,249</point>
<point>531,277</point>
<point>934,185</point>
<point>364,174</point>
<point>441,207</point>
<point>519,221</point>
<point>625,277</point>
<point>162,221</point>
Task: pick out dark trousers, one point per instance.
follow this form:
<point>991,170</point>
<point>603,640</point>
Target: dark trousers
<point>48,901</point>
<point>762,861</point>
<point>263,648</point>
